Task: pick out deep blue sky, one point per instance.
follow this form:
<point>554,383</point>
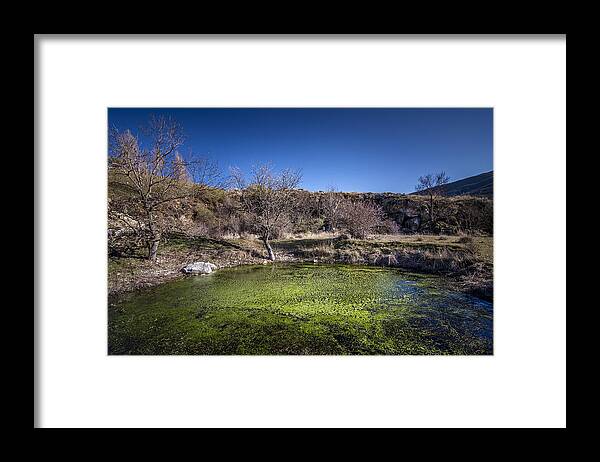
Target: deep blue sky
<point>351,149</point>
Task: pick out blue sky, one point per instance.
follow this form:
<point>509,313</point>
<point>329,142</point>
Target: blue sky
<point>358,149</point>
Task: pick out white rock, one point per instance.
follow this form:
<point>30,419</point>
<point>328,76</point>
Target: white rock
<point>199,267</point>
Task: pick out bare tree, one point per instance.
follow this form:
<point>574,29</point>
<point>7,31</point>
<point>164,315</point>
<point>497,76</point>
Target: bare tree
<point>432,185</point>
<point>153,176</point>
<point>332,207</point>
<point>180,170</point>
<point>361,217</point>
<point>267,199</point>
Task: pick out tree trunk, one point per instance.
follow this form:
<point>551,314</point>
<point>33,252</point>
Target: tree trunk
<point>431,212</point>
<point>153,249</point>
<point>269,249</point>
<point>154,237</point>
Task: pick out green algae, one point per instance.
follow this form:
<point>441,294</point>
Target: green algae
<point>300,309</point>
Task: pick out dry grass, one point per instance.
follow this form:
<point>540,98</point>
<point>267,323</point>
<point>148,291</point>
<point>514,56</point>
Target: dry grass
<point>416,252</point>
<point>310,235</point>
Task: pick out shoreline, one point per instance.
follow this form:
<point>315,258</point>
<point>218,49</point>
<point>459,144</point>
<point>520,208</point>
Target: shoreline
<point>472,276</point>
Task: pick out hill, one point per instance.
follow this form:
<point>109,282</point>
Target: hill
<point>478,185</point>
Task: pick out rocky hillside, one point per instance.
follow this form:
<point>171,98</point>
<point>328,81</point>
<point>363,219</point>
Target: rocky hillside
<point>471,214</point>
<point>216,213</point>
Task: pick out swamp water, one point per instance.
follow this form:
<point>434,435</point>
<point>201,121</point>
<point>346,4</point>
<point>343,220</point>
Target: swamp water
<point>294,309</point>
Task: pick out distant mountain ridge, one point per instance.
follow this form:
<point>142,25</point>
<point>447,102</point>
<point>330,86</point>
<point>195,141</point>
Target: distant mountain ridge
<point>478,185</point>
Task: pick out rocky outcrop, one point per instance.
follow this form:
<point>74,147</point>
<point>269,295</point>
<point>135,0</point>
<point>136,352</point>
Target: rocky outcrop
<point>199,267</point>
<point>412,224</point>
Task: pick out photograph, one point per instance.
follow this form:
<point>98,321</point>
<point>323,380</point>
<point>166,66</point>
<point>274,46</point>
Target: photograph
<point>300,231</point>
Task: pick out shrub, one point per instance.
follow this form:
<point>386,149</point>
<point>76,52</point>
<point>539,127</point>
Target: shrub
<point>360,218</point>
<point>388,227</point>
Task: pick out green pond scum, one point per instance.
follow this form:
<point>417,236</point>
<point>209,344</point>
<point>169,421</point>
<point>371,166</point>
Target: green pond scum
<point>301,309</point>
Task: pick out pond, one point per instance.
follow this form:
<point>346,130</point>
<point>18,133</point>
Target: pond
<point>292,309</point>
